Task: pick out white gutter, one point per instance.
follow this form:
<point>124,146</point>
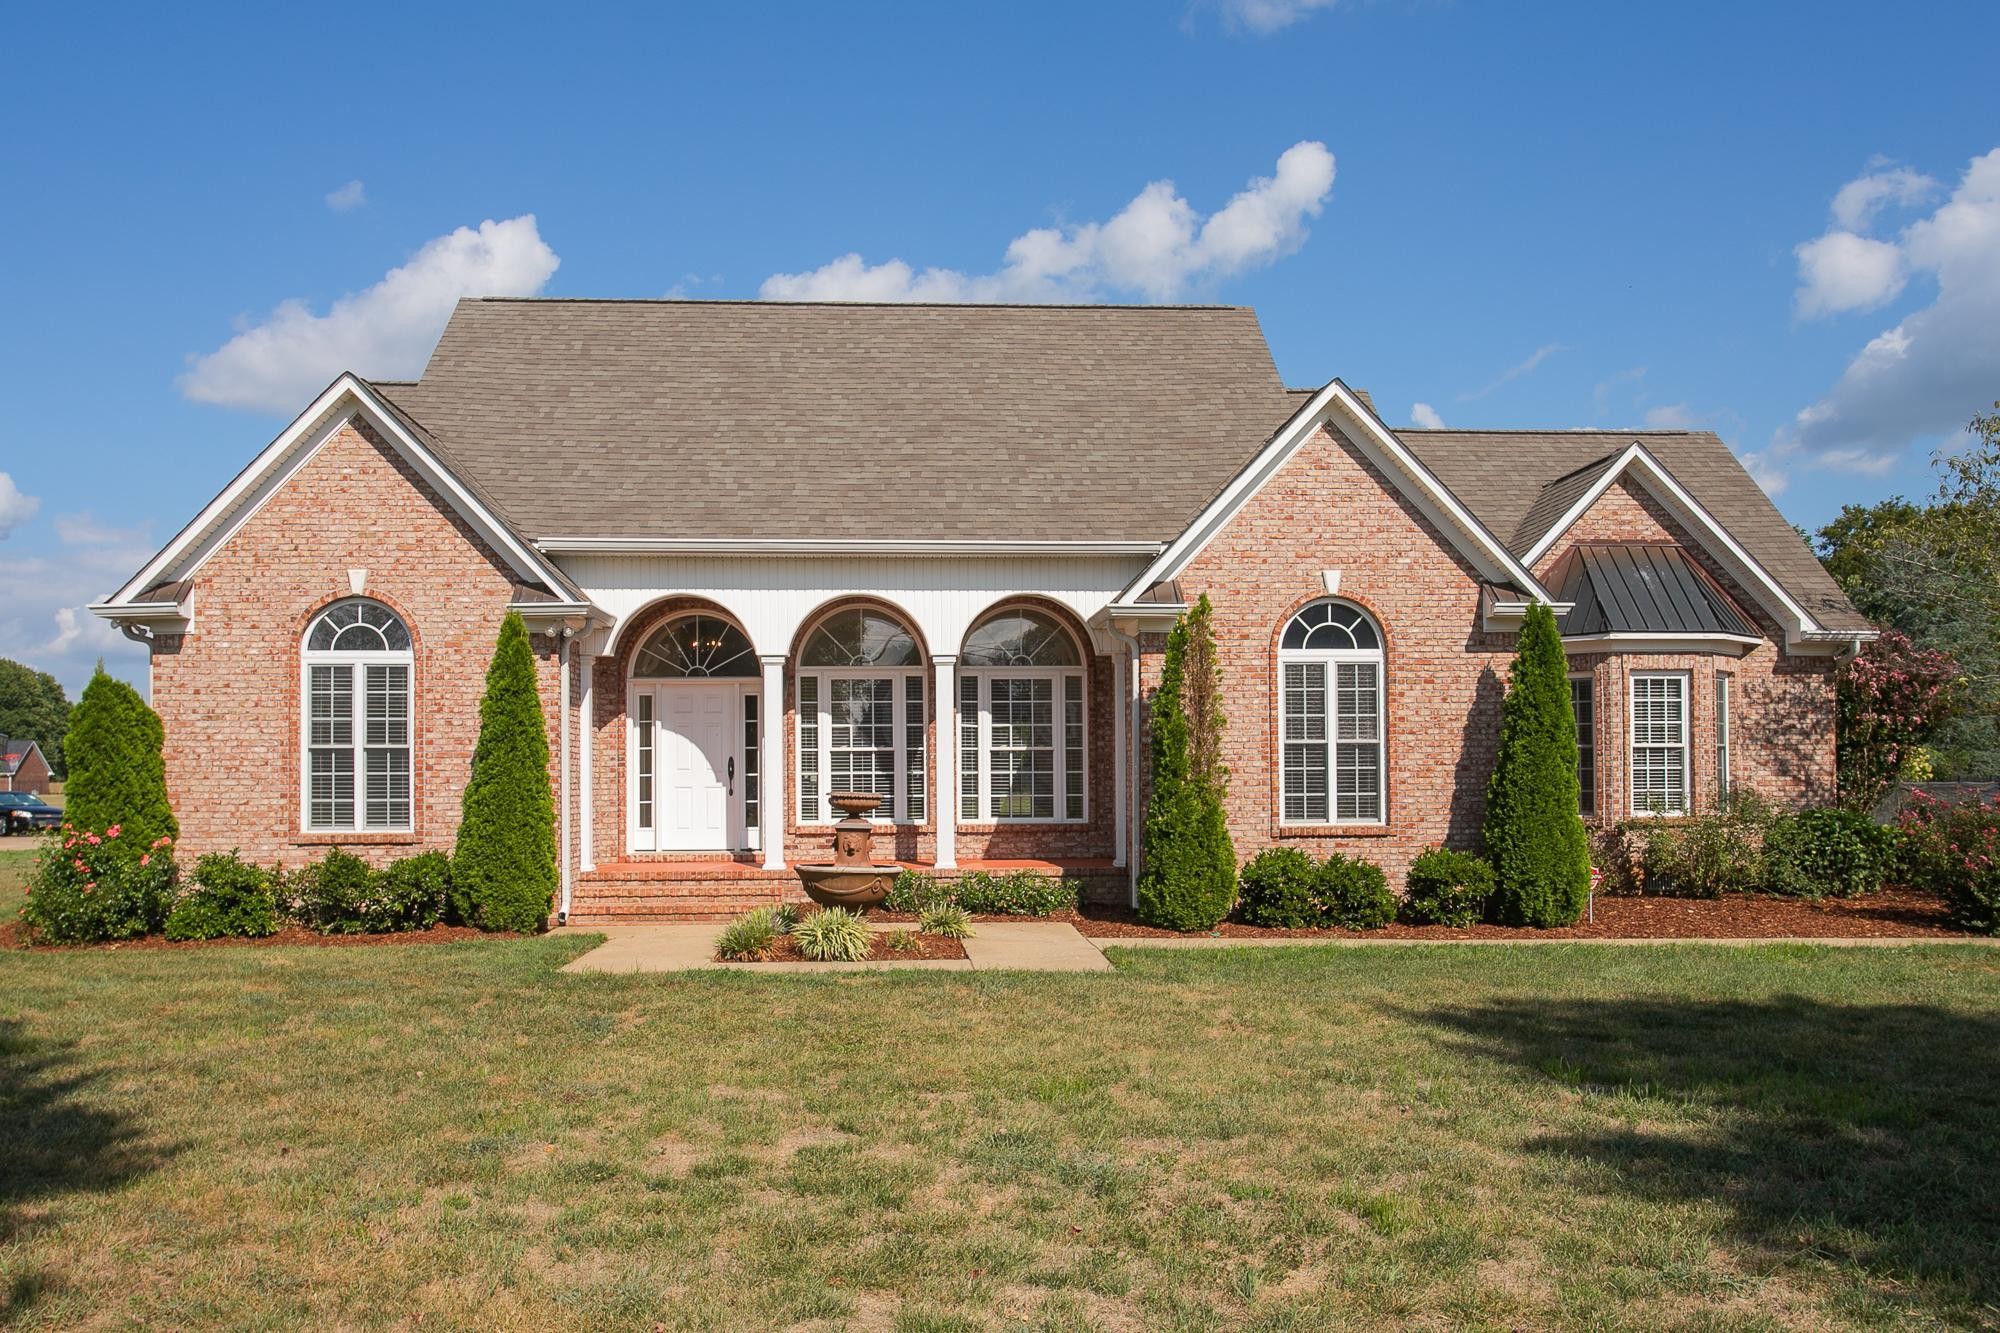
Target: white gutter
<point>821,546</point>
<point>562,766</point>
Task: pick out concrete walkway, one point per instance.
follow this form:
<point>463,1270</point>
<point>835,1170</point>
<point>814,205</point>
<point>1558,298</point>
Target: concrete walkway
<point>689,946</point>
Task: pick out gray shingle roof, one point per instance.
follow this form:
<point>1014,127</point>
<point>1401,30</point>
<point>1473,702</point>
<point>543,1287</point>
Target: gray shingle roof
<point>921,422</point>
<point>1505,476</point>
<point>1640,587</point>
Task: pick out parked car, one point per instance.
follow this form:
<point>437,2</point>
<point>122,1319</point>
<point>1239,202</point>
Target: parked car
<point>25,812</point>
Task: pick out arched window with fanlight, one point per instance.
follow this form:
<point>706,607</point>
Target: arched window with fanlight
<point>1021,721</point>
<point>1330,717</point>
<point>861,715</point>
<point>356,720</point>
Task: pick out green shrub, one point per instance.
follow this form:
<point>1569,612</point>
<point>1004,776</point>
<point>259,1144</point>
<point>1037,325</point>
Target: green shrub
<point>785,916</point>
<point>1701,856</point>
<point>117,776</point>
<point>1354,893</point>
<point>751,937</point>
<point>415,893</point>
<point>1280,888</point>
<point>912,892</point>
<point>1534,835</point>
<point>1022,893</point>
<point>833,935</point>
<point>90,887</point>
<point>1446,888</point>
<point>338,895</point>
<point>902,941</point>
<point>229,898</point>
<point>504,868</point>
<point>1189,878</point>
<point>1953,850</point>
<point>946,920</point>
<point>1827,851</point>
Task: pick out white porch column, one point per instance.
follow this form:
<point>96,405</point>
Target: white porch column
<point>774,784</point>
<point>586,796</point>
<point>944,796</point>
<point>1119,795</point>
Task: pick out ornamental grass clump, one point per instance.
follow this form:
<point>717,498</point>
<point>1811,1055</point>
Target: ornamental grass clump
<point>1446,888</point>
<point>90,887</point>
<point>226,897</point>
<point>945,920</point>
<point>750,938</point>
<point>833,935</point>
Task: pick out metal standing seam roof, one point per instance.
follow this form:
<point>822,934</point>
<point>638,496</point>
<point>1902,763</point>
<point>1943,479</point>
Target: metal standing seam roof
<point>1641,588</point>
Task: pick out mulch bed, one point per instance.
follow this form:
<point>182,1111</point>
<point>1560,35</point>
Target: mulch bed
<point>786,950</point>
<point>1888,914</point>
<point>12,936</point>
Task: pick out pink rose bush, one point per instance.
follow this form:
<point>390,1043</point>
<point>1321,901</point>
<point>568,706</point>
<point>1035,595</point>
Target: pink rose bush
<point>1954,848</point>
<point>88,886</point>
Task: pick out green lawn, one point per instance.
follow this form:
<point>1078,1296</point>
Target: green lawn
<point>1300,1139</point>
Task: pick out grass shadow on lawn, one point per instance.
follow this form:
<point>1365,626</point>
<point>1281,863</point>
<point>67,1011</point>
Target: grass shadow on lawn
<point>60,1141</point>
<point>1844,1134</point>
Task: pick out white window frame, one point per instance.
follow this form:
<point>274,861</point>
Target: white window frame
<point>1332,659</point>
<point>1059,678</point>
<point>1596,788</point>
<point>1633,746</point>
<point>355,663</point>
<point>899,733</point>
<point>1724,701</point>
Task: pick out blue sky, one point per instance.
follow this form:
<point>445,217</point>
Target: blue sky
<point>1535,215</point>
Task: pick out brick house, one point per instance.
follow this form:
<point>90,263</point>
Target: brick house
<point>770,550</point>
<point>23,767</point>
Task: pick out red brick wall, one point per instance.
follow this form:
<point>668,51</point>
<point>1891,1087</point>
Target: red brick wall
<point>32,775</point>
<point>228,690</point>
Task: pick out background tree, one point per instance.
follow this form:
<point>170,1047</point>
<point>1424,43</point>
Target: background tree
<point>503,871</point>
<point>1932,572</point>
<point>33,704</point>
<point>1189,878</point>
<point>1534,833</point>
<point>117,774</point>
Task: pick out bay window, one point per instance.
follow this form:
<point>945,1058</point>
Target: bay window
<point>1021,721</point>
<point>356,720</point>
<point>1332,769</point>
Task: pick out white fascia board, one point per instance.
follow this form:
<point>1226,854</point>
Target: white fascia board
<point>821,546</point>
<point>1653,475</point>
<point>1650,642</point>
<point>1417,483</point>
<point>267,474</point>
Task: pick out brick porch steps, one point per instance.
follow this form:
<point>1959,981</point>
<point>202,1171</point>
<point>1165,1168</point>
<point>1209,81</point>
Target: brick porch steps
<point>629,892</point>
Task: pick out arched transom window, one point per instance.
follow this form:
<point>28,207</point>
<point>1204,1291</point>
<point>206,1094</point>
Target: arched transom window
<point>696,646</point>
<point>356,723</point>
<point>861,715</point>
<point>1330,716</point>
<point>1021,721</point>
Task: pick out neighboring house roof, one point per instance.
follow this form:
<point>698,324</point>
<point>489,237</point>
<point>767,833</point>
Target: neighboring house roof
<point>1641,588</point>
<point>1522,482</point>
<point>757,419</point>
<point>14,752</point>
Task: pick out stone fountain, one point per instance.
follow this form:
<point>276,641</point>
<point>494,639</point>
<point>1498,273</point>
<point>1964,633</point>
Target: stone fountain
<point>853,880</point>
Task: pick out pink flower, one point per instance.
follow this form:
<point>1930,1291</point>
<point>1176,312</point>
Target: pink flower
<point>112,832</point>
<point>145,858</point>
<point>93,839</point>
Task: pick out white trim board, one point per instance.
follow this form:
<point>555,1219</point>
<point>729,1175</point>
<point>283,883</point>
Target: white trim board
<point>1417,483</point>
<point>251,489</point>
<point>830,546</point>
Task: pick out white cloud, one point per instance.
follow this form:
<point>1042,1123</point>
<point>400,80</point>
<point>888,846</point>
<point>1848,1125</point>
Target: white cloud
<point>1426,417</point>
<point>1264,17</point>
<point>1858,201</point>
<point>1514,372</point>
<point>385,331</point>
<point>1768,468</point>
<point>347,198</point>
<point>45,621</point>
<point>1926,376</point>
<point>1157,247</point>
<point>1670,416</point>
<point>15,508</point>
<point>1842,271</point>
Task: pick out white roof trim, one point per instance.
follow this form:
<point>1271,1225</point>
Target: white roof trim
<point>1467,534</point>
<point>1659,641</point>
<point>1639,461</point>
<point>827,546</point>
<point>281,460</point>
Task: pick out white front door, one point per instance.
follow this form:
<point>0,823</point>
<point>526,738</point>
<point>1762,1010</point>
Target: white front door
<point>688,778</point>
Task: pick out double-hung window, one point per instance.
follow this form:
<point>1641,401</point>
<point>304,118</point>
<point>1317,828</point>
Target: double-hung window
<point>1659,743</point>
<point>861,716</point>
<point>356,686</point>
<point>1021,721</point>
<point>1332,765</point>
<point>1583,705</point>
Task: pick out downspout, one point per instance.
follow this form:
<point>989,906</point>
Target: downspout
<point>562,765</point>
<point>1128,796</point>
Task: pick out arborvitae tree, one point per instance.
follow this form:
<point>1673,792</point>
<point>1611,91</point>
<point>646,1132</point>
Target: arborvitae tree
<point>1201,697</point>
<point>1189,879</point>
<point>504,869</point>
<point>1534,835</point>
<point>117,775</point>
